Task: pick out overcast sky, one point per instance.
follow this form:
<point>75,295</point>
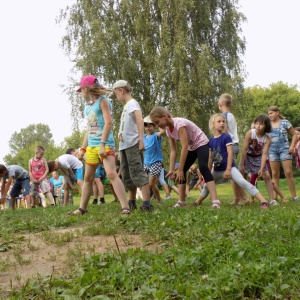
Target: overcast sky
<point>33,66</point>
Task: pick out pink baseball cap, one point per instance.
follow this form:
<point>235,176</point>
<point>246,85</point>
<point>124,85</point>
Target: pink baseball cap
<point>88,80</point>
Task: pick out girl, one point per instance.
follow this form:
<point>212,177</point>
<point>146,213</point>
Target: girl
<point>221,154</point>
<point>194,144</point>
<point>297,147</point>
<point>255,153</point>
<point>98,144</point>
<point>280,151</point>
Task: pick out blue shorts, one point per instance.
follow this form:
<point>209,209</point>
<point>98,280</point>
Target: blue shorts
<point>279,152</point>
<point>19,185</point>
<point>78,173</point>
<point>236,151</point>
<point>100,172</point>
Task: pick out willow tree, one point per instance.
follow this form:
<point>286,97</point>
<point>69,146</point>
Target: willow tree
<point>179,54</point>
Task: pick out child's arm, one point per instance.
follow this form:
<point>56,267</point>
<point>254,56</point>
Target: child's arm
<point>264,156</point>
<point>45,175</point>
<point>67,179</point>
<point>5,188</point>
<point>140,127</point>
<point>83,147</point>
<point>160,132</point>
<point>29,172</point>
<point>183,154</point>
<point>173,154</point>
<point>227,173</point>
<point>244,151</point>
<point>107,127</point>
<point>292,132</point>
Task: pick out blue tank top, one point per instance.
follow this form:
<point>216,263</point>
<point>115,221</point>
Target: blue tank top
<point>95,122</point>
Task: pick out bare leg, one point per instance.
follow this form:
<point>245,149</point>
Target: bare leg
<point>153,186</point>
<point>275,167</point>
<point>12,202</point>
<point>288,172</point>
<point>269,185</point>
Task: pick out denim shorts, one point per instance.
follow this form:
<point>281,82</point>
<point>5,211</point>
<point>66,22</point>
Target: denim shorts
<point>19,185</point>
<point>279,152</point>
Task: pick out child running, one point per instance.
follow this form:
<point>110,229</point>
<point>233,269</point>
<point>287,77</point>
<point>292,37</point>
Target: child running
<point>255,153</point>
<point>98,143</point>
<point>194,144</point>
<point>280,150</point>
<point>221,154</point>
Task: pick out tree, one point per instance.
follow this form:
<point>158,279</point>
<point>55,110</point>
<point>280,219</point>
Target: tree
<point>179,54</point>
<point>34,133</point>
<point>75,140</point>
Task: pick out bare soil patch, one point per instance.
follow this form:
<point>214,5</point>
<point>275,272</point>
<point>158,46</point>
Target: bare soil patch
<point>35,254</point>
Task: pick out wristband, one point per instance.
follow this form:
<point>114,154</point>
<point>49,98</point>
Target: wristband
<point>102,142</point>
<point>83,150</point>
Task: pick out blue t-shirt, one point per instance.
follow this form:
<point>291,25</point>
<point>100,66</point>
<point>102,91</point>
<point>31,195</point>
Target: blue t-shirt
<point>57,183</point>
<point>152,151</point>
<point>218,148</point>
<point>96,123</point>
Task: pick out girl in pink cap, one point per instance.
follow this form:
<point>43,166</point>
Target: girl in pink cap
<point>98,143</point>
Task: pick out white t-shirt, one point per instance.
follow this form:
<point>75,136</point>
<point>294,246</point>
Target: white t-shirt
<point>67,161</point>
<point>128,132</point>
<point>232,127</point>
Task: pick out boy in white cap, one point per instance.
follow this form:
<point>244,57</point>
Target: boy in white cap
<point>131,145</point>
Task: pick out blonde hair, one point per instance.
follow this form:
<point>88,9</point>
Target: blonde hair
<point>276,109</point>
<point>158,112</point>
<point>212,120</point>
<point>97,90</point>
<point>226,99</point>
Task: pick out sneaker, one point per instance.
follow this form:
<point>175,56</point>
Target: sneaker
<point>168,197</point>
<point>273,203</point>
<point>179,204</point>
<point>100,203</point>
<point>295,198</point>
<point>264,205</point>
<point>146,208</point>
<point>215,205</point>
<point>95,202</point>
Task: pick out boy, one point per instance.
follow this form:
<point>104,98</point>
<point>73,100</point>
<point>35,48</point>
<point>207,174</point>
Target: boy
<point>38,172</point>
<point>131,145</point>
<point>68,164</point>
<point>225,105</point>
<point>153,155</point>
<point>21,181</point>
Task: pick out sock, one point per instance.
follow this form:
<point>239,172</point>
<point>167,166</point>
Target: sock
<point>132,204</point>
<point>146,203</point>
<point>102,200</point>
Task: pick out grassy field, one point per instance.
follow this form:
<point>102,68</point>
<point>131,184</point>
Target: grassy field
<point>188,253</point>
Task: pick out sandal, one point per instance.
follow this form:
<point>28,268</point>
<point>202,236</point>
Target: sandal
<point>179,204</point>
<point>126,211</point>
<point>77,212</point>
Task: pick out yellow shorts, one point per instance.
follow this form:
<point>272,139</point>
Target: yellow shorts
<point>92,155</point>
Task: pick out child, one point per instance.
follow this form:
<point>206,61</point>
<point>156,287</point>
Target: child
<point>79,171</point>
<point>194,144</point>
<point>56,182</point>
<point>98,144</point>
<point>21,182</point>
<point>221,154</point>
<point>255,153</point>
<point>153,155</point>
<point>225,105</point>
<point>131,145</point>
<point>280,150</point>
<point>98,187</point>
<point>297,147</point>
<point>38,172</point>
<point>68,164</point>
<point>194,179</point>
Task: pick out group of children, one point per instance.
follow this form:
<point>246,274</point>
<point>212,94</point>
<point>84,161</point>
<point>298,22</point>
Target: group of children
<point>141,161</point>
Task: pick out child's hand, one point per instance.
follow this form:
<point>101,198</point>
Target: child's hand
<point>74,187</point>
<point>292,150</point>
<point>227,174</point>
<point>141,146</point>
<point>179,176</point>
<point>80,155</point>
<point>2,200</point>
<point>260,172</point>
<point>102,152</point>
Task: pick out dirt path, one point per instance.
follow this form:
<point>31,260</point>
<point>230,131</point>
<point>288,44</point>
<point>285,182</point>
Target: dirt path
<point>41,253</point>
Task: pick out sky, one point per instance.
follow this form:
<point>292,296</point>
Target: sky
<point>33,66</point>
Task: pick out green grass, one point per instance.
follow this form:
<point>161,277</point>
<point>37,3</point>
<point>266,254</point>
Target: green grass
<point>231,253</point>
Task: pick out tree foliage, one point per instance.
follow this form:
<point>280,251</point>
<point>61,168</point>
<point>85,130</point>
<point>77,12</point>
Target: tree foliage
<point>179,54</point>
<point>257,99</point>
